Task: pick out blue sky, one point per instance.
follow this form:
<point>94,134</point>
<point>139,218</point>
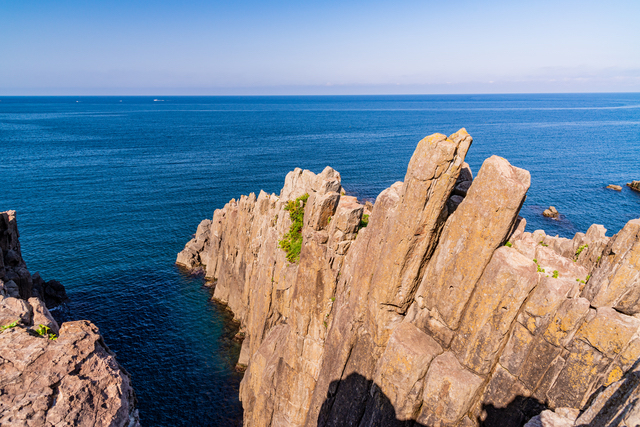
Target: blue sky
<point>317,47</point>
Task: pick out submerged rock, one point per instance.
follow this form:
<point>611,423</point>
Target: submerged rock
<point>614,187</point>
<point>443,310</point>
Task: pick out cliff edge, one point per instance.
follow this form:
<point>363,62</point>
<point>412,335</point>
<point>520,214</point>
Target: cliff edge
<point>51,375</point>
<point>436,308</point>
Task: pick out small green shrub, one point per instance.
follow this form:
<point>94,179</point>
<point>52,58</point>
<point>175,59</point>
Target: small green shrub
<point>555,274</point>
<point>46,332</point>
<point>364,221</point>
<point>291,242</point>
<point>587,278</point>
<point>535,260</point>
<point>333,299</point>
<point>328,220</point>
<point>580,249</point>
<point>542,243</point>
<point>9,326</point>
<point>508,244</point>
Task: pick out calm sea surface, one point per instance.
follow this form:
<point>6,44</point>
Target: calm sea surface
<point>109,189</point>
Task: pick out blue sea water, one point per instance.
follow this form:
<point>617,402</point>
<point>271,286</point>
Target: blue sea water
<point>109,189</point>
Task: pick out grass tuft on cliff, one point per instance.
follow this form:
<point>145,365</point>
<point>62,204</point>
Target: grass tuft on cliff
<point>291,242</point>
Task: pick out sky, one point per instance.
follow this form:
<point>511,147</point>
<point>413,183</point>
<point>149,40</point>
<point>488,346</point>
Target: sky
<point>287,47</point>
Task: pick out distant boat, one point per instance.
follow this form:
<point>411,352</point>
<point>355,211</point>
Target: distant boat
<point>158,99</point>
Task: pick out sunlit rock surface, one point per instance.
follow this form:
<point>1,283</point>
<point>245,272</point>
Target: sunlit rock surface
<point>442,311</point>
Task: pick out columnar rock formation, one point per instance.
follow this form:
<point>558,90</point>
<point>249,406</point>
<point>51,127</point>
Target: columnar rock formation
<point>50,375</point>
<point>443,311</point>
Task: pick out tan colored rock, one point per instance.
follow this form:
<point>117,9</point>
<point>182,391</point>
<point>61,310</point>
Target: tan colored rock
<point>609,331</point>
<point>430,177</point>
<point>552,213</point>
<point>566,321</point>
<point>634,185</point>
<point>576,380</point>
<point>501,290</point>
<point>448,391</point>
<point>402,366</point>
<point>480,225</point>
<point>614,187</point>
<point>42,316</point>
<point>616,280</point>
<point>544,301</point>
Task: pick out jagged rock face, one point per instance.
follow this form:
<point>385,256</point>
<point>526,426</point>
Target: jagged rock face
<point>13,270</point>
<point>442,311</point>
<point>71,380</point>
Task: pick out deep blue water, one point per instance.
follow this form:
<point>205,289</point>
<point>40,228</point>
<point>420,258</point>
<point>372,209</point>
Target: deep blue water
<point>108,192</point>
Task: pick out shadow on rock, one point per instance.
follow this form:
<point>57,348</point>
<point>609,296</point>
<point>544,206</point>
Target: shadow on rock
<point>358,401</point>
<point>515,414</point>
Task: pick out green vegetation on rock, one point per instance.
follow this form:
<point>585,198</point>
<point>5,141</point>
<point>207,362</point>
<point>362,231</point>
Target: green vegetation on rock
<point>291,242</point>
<point>9,326</point>
<point>580,249</point>
<point>364,221</point>
<point>46,332</point>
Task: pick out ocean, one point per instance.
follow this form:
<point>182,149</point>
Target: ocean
<point>109,189</point>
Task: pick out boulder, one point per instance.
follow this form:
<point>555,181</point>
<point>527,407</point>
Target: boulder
<point>552,212</point>
<point>614,187</point>
<point>634,185</point>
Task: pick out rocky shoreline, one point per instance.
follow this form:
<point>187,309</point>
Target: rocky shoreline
<point>52,375</point>
<point>441,311</point>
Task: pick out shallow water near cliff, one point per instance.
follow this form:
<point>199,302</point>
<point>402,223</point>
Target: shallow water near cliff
<point>109,189</point>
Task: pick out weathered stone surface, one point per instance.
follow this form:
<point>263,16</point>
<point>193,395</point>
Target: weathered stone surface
<point>41,315</point>
<point>402,366</point>
<point>634,185</point>
<point>576,379</point>
<point>442,311</point>
<point>614,187</point>
<point>73,380</point>
<point>618,404</point>
<point>481,223</point>
<point>197,248</point>
<point>616,280</point>
<point>566,321</point>
<point>562,417</point>
<point>448,390</point>
<point>504,285</point>
<point>609,331</point>
<point>552,213</point>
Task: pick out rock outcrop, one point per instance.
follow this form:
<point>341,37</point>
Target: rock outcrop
<point>552,213</point>
<point>442,311</point>
<point>634,185</point>
<point>614,187</point>
<point>51,375</point>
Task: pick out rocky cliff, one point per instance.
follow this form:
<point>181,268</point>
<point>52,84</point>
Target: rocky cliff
<point>441,311</point>
<point>50,375</point>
